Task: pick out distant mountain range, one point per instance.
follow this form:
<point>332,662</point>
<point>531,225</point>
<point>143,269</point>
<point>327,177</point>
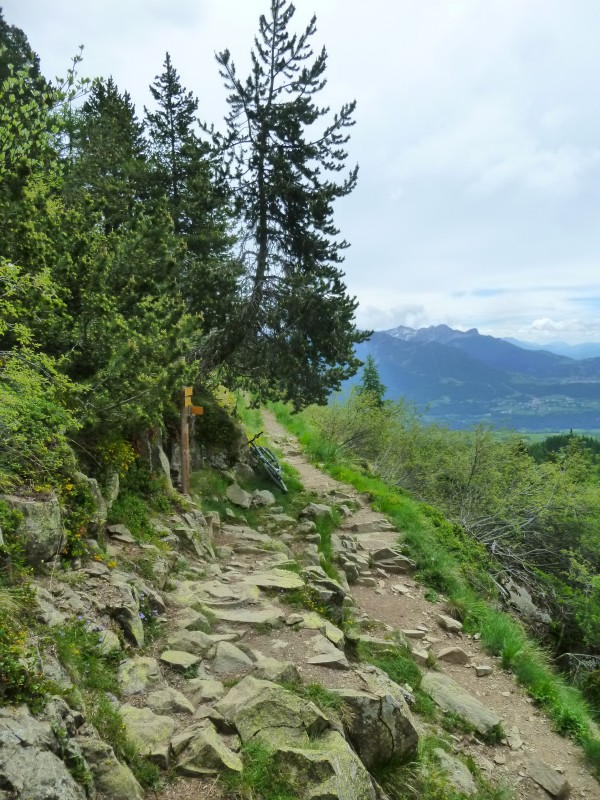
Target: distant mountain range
<point>585,350</point>
<point>461,378</point>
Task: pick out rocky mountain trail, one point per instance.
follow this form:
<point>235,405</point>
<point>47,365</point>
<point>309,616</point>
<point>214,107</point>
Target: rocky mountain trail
<point>532,758</point>
<point>228,631</point>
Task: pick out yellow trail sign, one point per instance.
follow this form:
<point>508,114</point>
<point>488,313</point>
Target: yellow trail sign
<point>198,410</point>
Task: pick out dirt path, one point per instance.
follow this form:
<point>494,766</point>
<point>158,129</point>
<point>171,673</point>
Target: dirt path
<point>530,732</point>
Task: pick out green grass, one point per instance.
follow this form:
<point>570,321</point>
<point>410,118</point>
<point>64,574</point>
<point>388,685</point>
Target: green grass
<point>78,648</point>
<point>250,418</point>
<point>325,699</point>
<point>425,707</point>
<point>393,660</point>
<point>95,675</point>
<point>259,779</point>
<point>135,513</point>
<point>448,564</point>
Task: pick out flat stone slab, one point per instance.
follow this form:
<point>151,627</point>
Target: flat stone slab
<point>244,532</point>
<point>371,526</point>
<point>246,616</point>
<point>121,533</point>
<point>179,660</point>
<point>334,659</point>
<point>451,697</point>
<point>275,579</point>
<point>412,633</point>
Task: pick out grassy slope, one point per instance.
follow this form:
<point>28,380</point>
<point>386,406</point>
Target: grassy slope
<point>433,544</point>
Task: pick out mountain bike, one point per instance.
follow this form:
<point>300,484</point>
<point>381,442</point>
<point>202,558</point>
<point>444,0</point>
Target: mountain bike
<point>267,461</point>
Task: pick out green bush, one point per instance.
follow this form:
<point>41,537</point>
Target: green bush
<point>591,689</point>
<point>34,422</point>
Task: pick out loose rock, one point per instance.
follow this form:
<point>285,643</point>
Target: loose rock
<point>453,655</point>
<point>448,623</point>
<point>549,779</point>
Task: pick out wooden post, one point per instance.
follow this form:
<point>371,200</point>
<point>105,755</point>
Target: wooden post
<point>185,440</point>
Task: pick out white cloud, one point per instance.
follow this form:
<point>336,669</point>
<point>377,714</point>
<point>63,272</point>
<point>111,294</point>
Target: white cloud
<point>476,135</point>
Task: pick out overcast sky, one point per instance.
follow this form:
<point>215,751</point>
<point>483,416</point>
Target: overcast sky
<point>477,134</point>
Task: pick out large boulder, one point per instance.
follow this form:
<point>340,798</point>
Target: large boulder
<point>229,659</point>
<point>138,675</point>
<point>239,497</point>
<point>30,766</point>
<point>197,643</point>
<point>548,778</point>
<point>271,713</point>
<point>36,775</point>
<point>111,778</point>
<point>315,759</point>
<point>263,497</point>
<point>457,773</point>
<point>149,732</point>
<point>329,770</point>
<point>169,701</point>
<point>380,727</point>
<point>207,754</point>
<point>122,603</point>
<point>41,528</point>
<point>315,511</point>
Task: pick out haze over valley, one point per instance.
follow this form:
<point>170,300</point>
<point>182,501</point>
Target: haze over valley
<point>463,378</point>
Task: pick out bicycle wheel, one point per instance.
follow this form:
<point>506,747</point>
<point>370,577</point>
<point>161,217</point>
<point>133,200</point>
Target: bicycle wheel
<point>270,465</point>
<point>275,476</point>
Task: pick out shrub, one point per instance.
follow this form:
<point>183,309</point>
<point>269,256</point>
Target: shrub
<point>33,423</point>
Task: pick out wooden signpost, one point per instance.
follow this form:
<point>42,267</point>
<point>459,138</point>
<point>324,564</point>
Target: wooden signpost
<point>187,409</point>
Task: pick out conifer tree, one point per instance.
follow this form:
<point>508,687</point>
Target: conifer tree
<point>181,171</point>
<point>295,331</point>
<point>370,385</point>
<point>110,157</point>
<point>171,133</point>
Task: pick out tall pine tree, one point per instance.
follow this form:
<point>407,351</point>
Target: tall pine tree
<point>295,331</point>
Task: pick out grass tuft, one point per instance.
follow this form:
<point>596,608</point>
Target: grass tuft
<point>259,777</point>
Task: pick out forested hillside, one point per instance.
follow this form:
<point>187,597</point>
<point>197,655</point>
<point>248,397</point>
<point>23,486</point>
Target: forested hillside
<point>140,252</point>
